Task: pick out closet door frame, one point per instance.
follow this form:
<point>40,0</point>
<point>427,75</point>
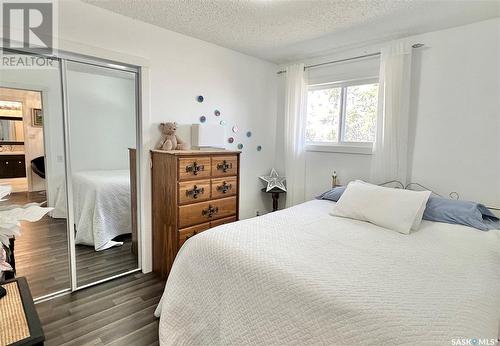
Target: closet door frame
<point>63,57</point>
<point>75,58</point>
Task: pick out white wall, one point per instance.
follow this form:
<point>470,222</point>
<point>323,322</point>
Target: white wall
<point>454,129</point>
<point>178,69</point>
<point>456,111</point>
<point>102,122</point>
<point>33,140</point>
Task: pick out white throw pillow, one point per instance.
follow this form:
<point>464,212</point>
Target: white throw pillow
<point>395,209</point>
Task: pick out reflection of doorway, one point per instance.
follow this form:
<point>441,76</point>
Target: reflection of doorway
<point>21,140</point>
<point>41,250</point>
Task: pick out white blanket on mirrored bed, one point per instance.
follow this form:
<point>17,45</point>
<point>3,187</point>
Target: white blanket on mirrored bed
<point>301,276</point>
<point>101,204</point>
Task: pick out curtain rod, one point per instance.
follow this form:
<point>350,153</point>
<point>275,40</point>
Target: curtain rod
<point>416,45</point>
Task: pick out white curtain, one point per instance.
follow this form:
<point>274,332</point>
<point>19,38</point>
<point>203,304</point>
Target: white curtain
<point>294,133</point>
<point>390,150</point>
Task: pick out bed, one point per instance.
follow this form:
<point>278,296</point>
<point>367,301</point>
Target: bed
<point>301,276</point>
<point>101,204</point>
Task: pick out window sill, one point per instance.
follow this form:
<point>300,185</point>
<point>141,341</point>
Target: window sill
<point>354,148</point>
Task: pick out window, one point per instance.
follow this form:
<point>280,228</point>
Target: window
<point>341,115</point>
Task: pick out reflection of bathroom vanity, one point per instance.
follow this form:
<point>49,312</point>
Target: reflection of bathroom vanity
<point>12,165</point>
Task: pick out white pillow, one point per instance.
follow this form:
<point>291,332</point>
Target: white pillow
<point>395,209</point>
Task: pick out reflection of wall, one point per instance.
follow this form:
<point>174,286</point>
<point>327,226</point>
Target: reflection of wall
<point>33,136</point>
<point>102,118</point>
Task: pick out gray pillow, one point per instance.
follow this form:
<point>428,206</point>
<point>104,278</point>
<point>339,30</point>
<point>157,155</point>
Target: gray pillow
<point>460,212</point>
<point>333,194</point>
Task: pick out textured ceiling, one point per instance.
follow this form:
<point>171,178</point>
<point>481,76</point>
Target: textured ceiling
<point>281,30</point>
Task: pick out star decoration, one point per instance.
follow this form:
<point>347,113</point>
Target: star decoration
<point>274,180</point>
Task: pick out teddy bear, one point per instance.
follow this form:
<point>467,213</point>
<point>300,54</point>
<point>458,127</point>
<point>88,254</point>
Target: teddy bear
<point>169,140</point>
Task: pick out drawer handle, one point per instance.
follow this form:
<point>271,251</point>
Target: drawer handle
<point>210,211</point>
<point>224,166</point>
<point>195,191</point>
<point>195,168</point>
<point>224,188</point>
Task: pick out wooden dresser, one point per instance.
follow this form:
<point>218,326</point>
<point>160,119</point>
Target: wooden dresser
<point>192,191</point>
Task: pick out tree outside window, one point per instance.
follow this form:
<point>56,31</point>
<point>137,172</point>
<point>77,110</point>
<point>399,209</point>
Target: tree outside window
<point>342,113</point>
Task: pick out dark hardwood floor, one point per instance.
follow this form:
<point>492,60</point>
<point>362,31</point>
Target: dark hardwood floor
<point>42,253</point>
<point>92,266</point>
<point>118,312</point>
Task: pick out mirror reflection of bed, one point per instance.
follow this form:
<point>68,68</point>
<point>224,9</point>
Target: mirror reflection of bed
<point>103,231</point>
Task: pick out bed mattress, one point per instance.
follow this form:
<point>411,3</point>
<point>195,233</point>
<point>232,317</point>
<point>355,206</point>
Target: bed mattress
<point>300,276</point>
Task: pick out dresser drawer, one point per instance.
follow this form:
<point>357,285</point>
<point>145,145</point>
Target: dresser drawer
<point>186,233</point>
<point>194,167</point>
<point>177,214</point>
<point>194,191</point>
<point>196,213</point>
<point>219,222</point>
<point>224,165</point>
<point>224,187</point>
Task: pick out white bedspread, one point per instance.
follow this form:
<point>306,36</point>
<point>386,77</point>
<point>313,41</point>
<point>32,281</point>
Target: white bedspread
<point>301,276</point>
<point>102,207</point>
<point>101,204</point>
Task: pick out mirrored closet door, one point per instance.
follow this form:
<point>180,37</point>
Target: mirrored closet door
<point>32,167</point>
<point>102,117</point>
<point>68,140</point>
